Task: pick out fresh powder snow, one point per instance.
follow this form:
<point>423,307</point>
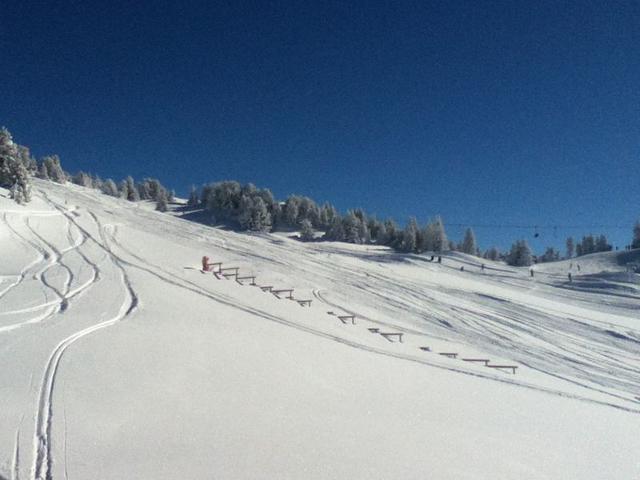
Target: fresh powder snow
<point>121,358</point>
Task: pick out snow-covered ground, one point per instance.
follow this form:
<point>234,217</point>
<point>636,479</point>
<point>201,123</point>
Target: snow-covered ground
<point>120,359</point>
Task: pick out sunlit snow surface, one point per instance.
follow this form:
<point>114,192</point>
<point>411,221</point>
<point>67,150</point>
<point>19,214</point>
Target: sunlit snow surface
<point>120,359</point>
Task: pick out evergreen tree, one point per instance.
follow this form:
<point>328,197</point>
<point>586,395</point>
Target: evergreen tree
<point>54,169</point>
<point>291,211</point>
<point>82,179</point>
<point>253,214</point>
<point>327,214</point>
<point>351,226</point>
<point>570,247</point>
<point>223,199</point>
<point>144,192</point>
<point>128,190</point>
<point>440,242</point>
<point>602,245</point>
<point>13,172</point>
<point>307,233</point>
<point>363,232</point>
<point>520,254</point>
<point>193,197</point>
<point>469,243</point>
<point>409,236</point>
<point>382,237</point>
<point>27,160</point>
<point>635,243</point>
<point>550,255</point>
<point>393,233</point>
<point>43,172</point>
<point>492,254</point>
<point>162,204</point>
<point>335,232</point>
<point>97,182</point>
<point>110,188</point>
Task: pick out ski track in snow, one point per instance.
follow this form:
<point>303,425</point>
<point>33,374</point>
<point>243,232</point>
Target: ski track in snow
<point>43,459</point>
<point>26,270</point>
<point>54,257</point>
<point>168,277</point>
<point>497,325</point>
<point>493,337</point>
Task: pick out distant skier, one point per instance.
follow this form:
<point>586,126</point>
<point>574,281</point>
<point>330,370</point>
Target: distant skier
<point>462,268</point>
<point>531,272</point>
<point>578,265</point>
<point>439,259</point>
<point>570,279</point>
<point>482,267</point>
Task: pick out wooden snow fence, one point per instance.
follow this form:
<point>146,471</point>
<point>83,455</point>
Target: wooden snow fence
<point>240,280</point>
<point>388,335</point>
<point>214,264</point>
<point>505,367</point>
<point>477,360</point>
<point>391,335</point>
<point>448,354</point>
<point>277,293</point>
<point>231,272</point>
<point>345,319</point>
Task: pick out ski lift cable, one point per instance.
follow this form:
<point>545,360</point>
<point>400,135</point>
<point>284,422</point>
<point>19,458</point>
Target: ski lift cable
<point>537,227</point>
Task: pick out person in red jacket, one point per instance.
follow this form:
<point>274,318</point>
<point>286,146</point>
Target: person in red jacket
<point>205,264</point>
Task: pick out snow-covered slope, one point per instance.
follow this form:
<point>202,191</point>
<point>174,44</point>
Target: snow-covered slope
<point>120,359</point>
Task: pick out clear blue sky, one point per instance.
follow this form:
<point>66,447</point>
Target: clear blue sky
<point>507,113</point>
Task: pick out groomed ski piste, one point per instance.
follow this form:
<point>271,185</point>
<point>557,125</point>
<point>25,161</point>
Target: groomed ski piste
<point>120,358</point>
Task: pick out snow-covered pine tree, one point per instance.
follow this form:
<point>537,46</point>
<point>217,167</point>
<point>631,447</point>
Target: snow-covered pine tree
<point>110,188</point>
<point>469,243</point>
<point>82,179</point>
<point>13,172</point>
<point>143,190</point>
<point>253,214</point>
<point>409,236</point>
<point>327,215</point>
<point>162,204</point>
<point>43,172</point>
<point>351,226</point>
<point>382,237</point>
<point>520,254</point>
<point>27,160</point>
<point>128,190</point>
<point>291,210</point>
<point>363,232</point>
<point>307,233</point>
<point>335,232</point>
<point>54,168</point>
<point>393,235</point>
<point>97,182</point>
<point>193,197</point>
<point>440,241</point>
<point>307,209</point>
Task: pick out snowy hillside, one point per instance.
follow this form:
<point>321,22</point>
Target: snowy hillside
<point>121,359</point>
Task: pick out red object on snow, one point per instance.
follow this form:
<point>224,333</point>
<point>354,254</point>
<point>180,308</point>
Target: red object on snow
<point>205,263</point>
